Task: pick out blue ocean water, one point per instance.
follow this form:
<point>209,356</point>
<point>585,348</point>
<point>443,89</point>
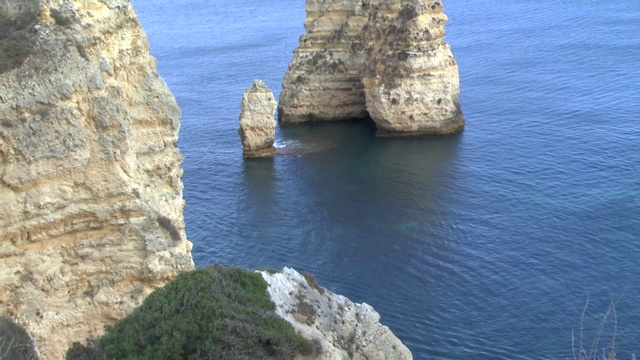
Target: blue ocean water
<point>483,245</point>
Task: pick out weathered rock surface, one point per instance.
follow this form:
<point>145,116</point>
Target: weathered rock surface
<point>257,123</point>
<point>383,59</point>
<point>344,330</point>
<point>91,208</point>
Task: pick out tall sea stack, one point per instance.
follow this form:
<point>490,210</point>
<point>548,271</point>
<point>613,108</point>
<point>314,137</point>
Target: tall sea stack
<point>91,207</point>
<point>257,124</point>
<point>383,59</point>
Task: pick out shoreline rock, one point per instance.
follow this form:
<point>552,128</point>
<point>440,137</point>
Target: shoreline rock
<point>344,330</point>
<point>382,59</point>
<point>257,124</point>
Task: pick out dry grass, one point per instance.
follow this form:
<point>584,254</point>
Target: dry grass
<point>596,350</point>
<point>311,280</point>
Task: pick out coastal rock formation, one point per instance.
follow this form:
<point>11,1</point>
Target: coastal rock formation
<point>324,80</point>
<point>343,329</point>
<point>383,59</point>
<point>257,124</point>
<point>91,208</point>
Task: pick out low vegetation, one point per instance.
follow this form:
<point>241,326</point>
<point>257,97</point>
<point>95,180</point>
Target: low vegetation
<point>60,17</point>
<point>209,313</point>
<point>17,41</point>
<point>598,348</point>
<point>15,342</point>
<point>311,280</point>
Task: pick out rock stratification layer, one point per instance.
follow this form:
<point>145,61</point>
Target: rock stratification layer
<point>343,329</point>
<point>257,123</point>
<point>91,208</point>
<point>383,59</point>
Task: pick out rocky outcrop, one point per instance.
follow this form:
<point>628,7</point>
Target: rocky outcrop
<point>91,208</point>
<point>324,80</point>
<point>343,329</point>
<point>257,123</point>
<point>383,59</point>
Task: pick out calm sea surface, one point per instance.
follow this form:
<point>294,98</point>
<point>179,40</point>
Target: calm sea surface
<point>484,245</point>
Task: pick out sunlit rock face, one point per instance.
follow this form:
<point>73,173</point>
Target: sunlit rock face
<point>342,329</point>
<point>382,59</point>
<point>257,123</point>
<point>91,207</point>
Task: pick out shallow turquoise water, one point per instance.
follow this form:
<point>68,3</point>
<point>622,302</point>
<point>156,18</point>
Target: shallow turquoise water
<point>483,245</point>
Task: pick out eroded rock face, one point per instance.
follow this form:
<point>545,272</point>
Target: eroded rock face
<point>324,80</point>
<point>344,330</point>
<point>13,8</point>
<point>383,59</point>
<point>257,123</point>
<point>91,208</point>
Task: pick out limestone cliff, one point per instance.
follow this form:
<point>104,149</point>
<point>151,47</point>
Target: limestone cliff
<point>343,329</point>
<point>383,59</point>
<point>91,208</point>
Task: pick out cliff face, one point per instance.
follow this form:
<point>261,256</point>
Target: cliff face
<point>384,59</point>
<point>90,193</point>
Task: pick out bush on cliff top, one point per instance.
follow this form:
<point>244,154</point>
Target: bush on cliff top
<point>210,313</point>
<point>15,342</point>
<point>17,41</point>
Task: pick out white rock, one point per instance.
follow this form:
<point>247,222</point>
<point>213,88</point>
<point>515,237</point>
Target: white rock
<point>344,330</point>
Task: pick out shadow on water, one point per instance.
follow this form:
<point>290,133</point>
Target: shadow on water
<point>259,180</point>
<point>396,184</point>
<point>356,207</point>
<point>369,208</point>
<point>379,197</point>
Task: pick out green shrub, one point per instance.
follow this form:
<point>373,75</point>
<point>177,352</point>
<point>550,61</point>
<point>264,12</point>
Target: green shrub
<point>16,41</point>
<point>15,342</point>
<point>168,225</point>
<point>311,280</point>
<point>60,17</point>
<point>79,351</point>
<point>210,313</point>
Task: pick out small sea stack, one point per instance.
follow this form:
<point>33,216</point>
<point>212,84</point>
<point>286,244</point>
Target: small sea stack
<point>257,121</point>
